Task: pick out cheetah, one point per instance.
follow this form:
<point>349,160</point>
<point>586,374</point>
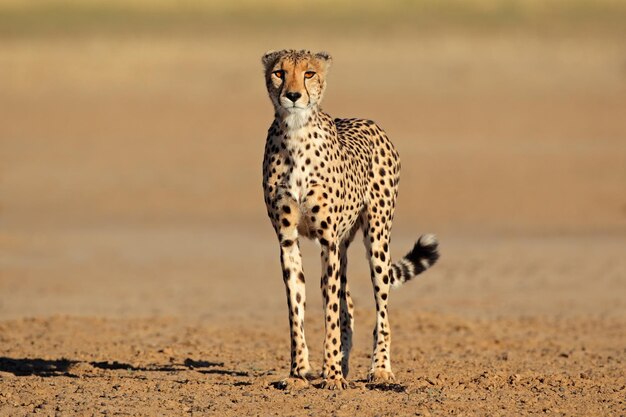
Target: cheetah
<point>324,179</point>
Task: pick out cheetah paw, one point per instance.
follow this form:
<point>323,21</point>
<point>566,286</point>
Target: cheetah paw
<point>380,376</point>
<point>292,383</point>
<point>338,383</point>
<point>309,375</point>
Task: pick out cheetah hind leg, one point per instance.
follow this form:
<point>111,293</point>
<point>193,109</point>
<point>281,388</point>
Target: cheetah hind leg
<point>346,311</point>
<point>376,237</point>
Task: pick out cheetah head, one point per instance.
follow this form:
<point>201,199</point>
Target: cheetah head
<point>295,82</point>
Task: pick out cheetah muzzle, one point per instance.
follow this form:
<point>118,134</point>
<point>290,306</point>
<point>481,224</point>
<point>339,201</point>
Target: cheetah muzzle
<point>324,179</point>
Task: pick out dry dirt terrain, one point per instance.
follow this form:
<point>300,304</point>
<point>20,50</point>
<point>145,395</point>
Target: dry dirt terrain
<point>501,327</point>
<point>139,275</point>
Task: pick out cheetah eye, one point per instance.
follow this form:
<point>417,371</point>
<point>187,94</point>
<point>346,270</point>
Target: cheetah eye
<point>309,74</point>
<point>280,74</point>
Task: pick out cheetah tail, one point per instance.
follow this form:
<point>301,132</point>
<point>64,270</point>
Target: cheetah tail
<point>423,255</point>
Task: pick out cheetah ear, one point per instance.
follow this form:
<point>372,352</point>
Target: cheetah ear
<point>324,58</point>
<point>269,58</point>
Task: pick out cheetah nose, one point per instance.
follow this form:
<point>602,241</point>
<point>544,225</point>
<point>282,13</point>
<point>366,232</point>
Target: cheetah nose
<point>293,96</point>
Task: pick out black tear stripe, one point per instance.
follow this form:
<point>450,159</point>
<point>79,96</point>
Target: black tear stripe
<point>280,90</point>
<point>307,92</point>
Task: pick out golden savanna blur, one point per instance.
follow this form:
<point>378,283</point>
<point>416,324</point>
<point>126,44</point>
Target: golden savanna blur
<point>133,228</point>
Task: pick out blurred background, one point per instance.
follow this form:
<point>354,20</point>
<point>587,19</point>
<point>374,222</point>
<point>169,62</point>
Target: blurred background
<point>132,135</point>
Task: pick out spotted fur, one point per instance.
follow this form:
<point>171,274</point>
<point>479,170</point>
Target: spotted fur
<point>324,179</point>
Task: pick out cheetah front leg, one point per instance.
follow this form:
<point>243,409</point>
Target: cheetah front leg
<point>293,276</point>
<point>332,372</point>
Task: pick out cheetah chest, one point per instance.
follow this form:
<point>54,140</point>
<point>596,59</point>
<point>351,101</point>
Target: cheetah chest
<point>305,171</point>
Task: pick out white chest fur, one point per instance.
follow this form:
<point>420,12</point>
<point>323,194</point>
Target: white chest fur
<point>301,150</point>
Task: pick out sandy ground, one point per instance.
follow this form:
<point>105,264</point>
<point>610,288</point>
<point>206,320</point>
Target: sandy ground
<point>139,276</point>
<point>501,327</point>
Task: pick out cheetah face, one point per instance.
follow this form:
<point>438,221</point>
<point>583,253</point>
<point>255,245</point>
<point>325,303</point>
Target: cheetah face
<point>295,80</point>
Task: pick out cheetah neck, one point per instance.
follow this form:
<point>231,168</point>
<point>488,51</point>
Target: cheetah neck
<point>297,119</point>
